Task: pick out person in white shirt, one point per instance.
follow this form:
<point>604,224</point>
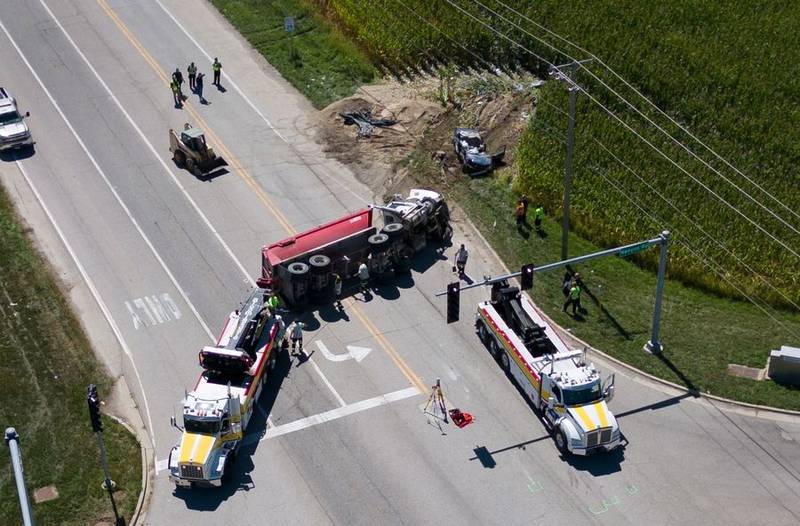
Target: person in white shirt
<point>461,259</point>
<point>296,335</point>
<point>363,275</point>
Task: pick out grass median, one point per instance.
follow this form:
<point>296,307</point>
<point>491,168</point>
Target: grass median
<point>316,58</point>
<point>46,364</point>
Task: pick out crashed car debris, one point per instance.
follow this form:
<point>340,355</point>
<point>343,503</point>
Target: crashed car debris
<point>471,151</point>
<point>365,121</point>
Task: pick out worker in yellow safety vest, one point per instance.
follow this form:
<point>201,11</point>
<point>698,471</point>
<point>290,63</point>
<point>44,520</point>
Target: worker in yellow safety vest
<point>574,299</point>
<point>217,68</point>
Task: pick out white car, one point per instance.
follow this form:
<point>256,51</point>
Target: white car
<point>14,132</point>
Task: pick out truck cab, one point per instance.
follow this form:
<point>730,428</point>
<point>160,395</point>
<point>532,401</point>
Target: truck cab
<point>14,132</point>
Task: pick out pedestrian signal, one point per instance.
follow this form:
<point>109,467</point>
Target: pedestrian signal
<point>526,277</point>
<point>453,297</point>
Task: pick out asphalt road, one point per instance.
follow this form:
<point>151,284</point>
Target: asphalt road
<point>155,259</point>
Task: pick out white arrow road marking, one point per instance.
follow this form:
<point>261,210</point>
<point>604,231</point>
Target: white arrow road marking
<point>358,353</point>
<point>353,353</point>
<point>161,465</point>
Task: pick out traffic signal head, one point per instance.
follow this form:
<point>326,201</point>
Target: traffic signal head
<point>526,277</point>
<point>453,297</point>
<point>93,400</point>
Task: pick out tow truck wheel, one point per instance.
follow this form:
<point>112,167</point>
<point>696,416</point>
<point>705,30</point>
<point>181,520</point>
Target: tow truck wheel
<point>272,362</point>
<point>483,334</point>
<point>561,440</point>
<point>504,362</point>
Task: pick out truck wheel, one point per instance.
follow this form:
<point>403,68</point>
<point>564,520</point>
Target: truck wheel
<point>483,334</point>
<point>505,363</point>
<point>272,363</point>
<point>561,440</point>
<point>180,159</point>
<point>227,470</point>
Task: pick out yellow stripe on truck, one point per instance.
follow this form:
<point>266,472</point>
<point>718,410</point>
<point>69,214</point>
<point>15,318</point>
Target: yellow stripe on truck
<point>588,425</point>
<point>203,448</point>
<point>601,413</point>
<point>187,446</point>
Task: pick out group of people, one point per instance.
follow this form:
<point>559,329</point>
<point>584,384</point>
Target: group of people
<point>521,215</point>
<point>195,81</point>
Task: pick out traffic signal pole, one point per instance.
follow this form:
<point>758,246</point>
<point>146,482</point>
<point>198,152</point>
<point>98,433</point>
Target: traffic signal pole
<point>93,400</point>
<point>653,345</point>
<point>12,439</point>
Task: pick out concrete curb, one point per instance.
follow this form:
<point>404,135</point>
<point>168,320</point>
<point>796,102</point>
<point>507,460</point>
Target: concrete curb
<point>144,494</point>
<point>744,408</point>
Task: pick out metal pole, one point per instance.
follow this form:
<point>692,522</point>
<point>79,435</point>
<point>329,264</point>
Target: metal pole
<point>579,259</point>
<point>654,345</point>
<point>12,439</point>
<point>573,95</point>
<point>108,484</point>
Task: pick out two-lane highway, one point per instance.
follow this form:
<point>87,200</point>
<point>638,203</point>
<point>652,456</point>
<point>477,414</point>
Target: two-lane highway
<point>337,439</point>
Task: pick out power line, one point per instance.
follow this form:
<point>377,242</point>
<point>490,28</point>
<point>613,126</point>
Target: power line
<point>702,257</point>
<point>630,129</point>
<point>648,119</point>
<point>651,103</point>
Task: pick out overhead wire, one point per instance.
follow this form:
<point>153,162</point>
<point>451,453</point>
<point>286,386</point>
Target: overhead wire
<point>648,119</point>
<point>630,129</point>
<point>651,103</point>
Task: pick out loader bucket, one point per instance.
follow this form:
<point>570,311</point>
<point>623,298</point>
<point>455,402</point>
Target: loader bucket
<point>210,165</point>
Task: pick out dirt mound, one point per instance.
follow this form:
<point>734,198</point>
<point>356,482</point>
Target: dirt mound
<point>499,107</point>
<point>373,158</point>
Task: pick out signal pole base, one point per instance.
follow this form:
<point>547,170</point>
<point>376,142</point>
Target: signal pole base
<point>110,482</point>
<point>653,348</point>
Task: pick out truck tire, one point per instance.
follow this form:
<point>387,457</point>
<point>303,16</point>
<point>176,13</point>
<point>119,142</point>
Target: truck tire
<point>378,241</point>
<point>505,361</point>
<point>319,261</point>
<point>227,470</point>
<point>561,441</point>
<point>483,333</point>
<point>180,159</point>
<point>393,230</point>
<point>298,268</point>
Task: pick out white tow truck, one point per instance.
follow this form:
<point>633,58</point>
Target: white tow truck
<point>216,412</point>
<point>566,390</point>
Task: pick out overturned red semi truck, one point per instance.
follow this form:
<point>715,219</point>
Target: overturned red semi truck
<point>300,268</point>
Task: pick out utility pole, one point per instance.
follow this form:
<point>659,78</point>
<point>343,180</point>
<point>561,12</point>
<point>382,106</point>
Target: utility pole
<point>12,439</point>
<point>567,74</point>
<point>93,400</point>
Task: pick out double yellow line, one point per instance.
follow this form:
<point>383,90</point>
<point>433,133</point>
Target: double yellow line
<point>262,196</point>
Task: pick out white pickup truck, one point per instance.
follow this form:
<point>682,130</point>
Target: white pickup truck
<point>14,132</point>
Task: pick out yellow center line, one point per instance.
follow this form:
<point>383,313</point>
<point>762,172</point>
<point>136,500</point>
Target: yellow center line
<point>259,191</point>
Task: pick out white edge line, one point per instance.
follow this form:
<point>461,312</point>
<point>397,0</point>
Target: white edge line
<point>250,102</point>
<point>81,269</point>
<point>155,154</point>
<point>340,412</point>
<point>325,379</point>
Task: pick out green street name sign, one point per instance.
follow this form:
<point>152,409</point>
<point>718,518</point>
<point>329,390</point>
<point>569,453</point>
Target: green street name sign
<point>634,249</point>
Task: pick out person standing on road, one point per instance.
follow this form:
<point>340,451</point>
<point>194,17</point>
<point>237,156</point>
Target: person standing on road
<point>198,87</point>
<point>192,71</point>
<point>538,215</point>
<point>177,76</point>
<point>337,290</point>
<point>461,259</point>
<point>363,275</point>
<point>273,302</point>
<point>176,93</point>
<point>297,337</point>
<point>217,68</point>
<point>573,299</point>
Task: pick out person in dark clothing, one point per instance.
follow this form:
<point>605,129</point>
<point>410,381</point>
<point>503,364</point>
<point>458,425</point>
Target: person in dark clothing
<point>177,77</point>
<point>217,68</point>
<point>198,87</point>
<point>566,283</point>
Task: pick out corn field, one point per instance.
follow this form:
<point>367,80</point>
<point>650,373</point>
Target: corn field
<point>723,70</point>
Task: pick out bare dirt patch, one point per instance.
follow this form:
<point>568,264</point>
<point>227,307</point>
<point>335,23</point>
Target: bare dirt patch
<point>426,115</point>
